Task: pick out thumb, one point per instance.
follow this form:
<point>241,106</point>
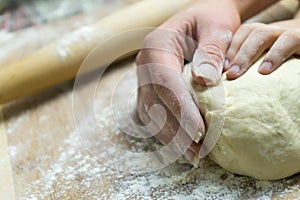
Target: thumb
<point>209,57</point>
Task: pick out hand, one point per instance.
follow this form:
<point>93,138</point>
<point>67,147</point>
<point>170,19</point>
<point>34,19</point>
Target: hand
<point>202,32</point>
<point>252,40</point>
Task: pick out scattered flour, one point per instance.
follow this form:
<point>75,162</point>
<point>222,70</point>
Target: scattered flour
<point>78,173</point>
<point>85,35</point>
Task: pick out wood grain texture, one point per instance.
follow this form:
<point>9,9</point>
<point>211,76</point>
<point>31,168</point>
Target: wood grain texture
<point>34,38</point>
<point>60,61</point>
<point>47,158</point>
<point>7,191</point>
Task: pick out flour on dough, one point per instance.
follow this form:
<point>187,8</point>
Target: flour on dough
<point>261,133</point>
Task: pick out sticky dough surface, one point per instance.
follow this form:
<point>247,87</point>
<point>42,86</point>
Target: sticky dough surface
<point>261,133</point>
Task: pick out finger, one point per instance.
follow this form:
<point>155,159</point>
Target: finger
<point>167,47</point>
<point>175,93</point>
<point>146,99</point>
<point>167,134</point>
<point>142,114</point>
<point>191,152</point>
<point>284,47</point>
<point>238,39</point>
<point>177,139</point>
<point>171,131</point>
<point>166,58</point>
<point>143,98</point>
<point>208,60</point>
<point>213,36</point>
<point>253,47</point>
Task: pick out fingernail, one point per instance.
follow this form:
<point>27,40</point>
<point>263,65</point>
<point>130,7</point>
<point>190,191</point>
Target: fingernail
<point>207,72</point>
<point>193,132</point>
<point>198,137</point>
<point>266,67</point>
<point>235,69</point>
<point>226,62</point>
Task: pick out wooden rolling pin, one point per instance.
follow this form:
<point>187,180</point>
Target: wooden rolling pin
<point>61,60</point>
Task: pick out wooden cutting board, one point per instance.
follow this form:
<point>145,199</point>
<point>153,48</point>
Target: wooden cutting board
<point>48,159</point>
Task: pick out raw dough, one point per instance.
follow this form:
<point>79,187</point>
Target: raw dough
<point>261,133</point>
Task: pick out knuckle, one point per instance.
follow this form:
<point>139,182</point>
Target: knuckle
<point>152,40</point>
<point>139,58</point>
<point>149,39</point>
<point>290,35</point>
<point>274,55</point>
<point>283,43</point>
<point>155,38</point>
<point>223,36</point>
<point>247,53</point>
<point>250,27</point>
<point>261,31</point>
<point>230,53</point>
<point>241,59</point>
<point>246,27</point>
<point>265,33</point>
<point>274,29</point>
<point>213,53</point>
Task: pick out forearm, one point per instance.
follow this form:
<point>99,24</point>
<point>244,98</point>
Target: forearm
<point>297,15</point>
<point>248,8</point>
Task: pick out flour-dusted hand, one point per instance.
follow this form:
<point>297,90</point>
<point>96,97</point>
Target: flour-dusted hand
<point>200,33</point>
<point>281,39</point>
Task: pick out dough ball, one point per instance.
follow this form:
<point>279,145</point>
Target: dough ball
<point>261,133</point>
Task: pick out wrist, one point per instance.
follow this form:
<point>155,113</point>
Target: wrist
<point>297,15</point>
<point>250,8</point>
<point>224,13</point>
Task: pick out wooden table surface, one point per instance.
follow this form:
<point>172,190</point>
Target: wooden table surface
<point>44,157</point>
